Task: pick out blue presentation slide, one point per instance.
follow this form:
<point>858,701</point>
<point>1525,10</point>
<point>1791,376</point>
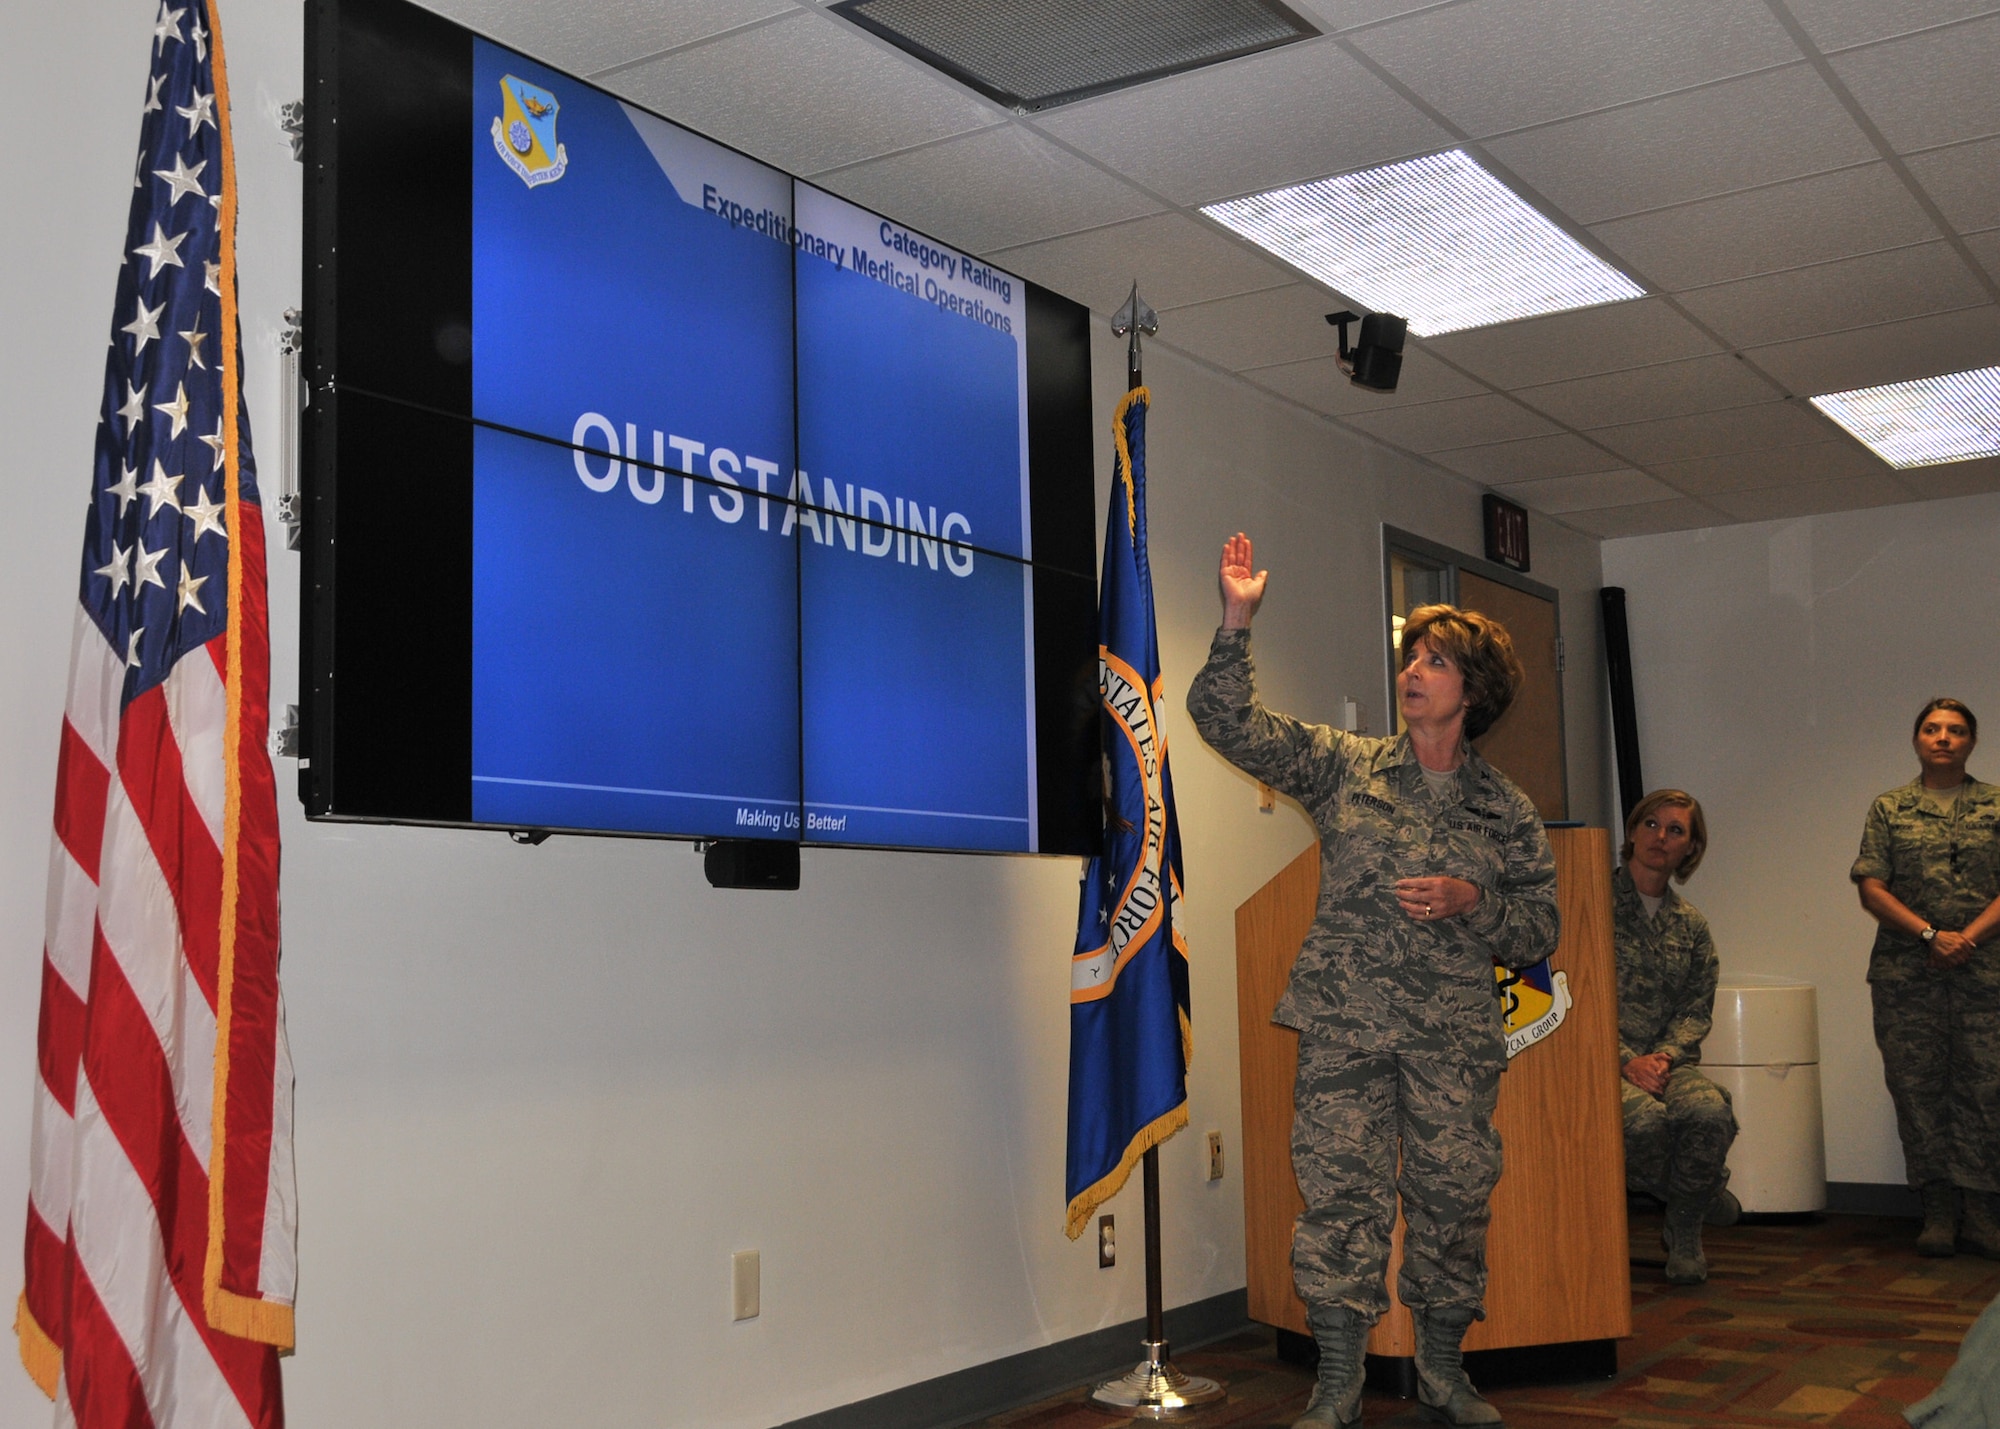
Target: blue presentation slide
<point>759,570</point>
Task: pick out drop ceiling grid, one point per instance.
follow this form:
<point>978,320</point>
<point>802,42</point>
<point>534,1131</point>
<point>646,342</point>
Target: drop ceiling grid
<point>1731,251</point>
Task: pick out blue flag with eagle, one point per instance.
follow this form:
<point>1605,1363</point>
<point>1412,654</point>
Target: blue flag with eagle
<point>1129,1039</point>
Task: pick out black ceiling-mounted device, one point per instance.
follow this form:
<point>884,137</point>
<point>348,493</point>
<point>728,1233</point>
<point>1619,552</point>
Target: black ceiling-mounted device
<point>1376,359</point>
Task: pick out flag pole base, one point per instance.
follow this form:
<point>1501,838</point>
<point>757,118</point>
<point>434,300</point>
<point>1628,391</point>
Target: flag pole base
<point>1154,1389</point>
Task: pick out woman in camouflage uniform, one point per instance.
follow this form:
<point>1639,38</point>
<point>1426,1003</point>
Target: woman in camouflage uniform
<point>1432,867</point>
<point>1929,873</point>
<point>1678,1125</point>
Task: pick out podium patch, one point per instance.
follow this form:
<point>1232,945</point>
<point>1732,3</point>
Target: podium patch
<point>1533,1002</point>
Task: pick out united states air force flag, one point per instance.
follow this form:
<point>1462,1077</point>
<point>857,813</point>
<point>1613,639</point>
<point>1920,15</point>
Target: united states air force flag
<point>1129,1040</point>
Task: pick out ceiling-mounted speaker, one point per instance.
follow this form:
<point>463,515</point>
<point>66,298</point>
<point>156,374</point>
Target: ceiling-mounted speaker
<point>1035,54</point>
<point>1376,359</point>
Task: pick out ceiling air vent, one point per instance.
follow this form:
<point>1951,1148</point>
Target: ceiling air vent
<point>1035,54</point>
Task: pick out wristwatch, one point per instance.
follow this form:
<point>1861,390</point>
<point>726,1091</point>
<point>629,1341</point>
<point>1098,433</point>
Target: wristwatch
<point>1929,934</point>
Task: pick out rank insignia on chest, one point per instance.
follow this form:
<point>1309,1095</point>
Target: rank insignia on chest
<point>1533,1002</point>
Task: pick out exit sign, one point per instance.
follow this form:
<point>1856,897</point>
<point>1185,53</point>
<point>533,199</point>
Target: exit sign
<point>1506,532</point>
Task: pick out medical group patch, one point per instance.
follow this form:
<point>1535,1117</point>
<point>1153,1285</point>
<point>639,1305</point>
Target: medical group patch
<point>1533,1002</point>
<point>524,132</point>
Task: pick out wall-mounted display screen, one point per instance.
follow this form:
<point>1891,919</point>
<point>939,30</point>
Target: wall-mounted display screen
<point>655,491</point>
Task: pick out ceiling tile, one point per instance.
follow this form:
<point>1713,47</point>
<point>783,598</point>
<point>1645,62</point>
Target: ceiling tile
<point>1562,455</point>
<point>991,189</point>
<point>586,39</point>
<point>1557,495</point>
<point>1929,89</point>
<point>1494,65</point>
<point>1986,248</point>
<point>1774,466</point>
<point>1176,260</point>
<point>1740,429</point>
<point>1332,16</point>
<point>1254,329</point>
<point>1298,112</point>
<point>1672,389</point>
<point>1778,125</point>
<point>805,94</point>
<point>1832,297</point>
<point>1680,514</point>
<point>1463,422</point>
<point>1837,24</point>
<point>1322,386</point>
<point>1954,478</point>
<point>1965,182</point>
<point>1810,220</point>
<point>1576,344</point>
<point>1892,352</point>
<point>1814,498</point>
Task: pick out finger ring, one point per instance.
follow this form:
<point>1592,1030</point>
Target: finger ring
<point>1427,910</point>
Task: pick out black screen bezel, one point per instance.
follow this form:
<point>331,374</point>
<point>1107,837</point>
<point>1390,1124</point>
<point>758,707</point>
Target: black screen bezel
<point>386,623</point>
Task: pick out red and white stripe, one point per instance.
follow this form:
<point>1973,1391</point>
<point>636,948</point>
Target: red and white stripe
<point>118,1228</point>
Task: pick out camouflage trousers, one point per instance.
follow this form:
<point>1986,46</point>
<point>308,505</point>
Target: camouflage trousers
<point>1676,1146</point>
<point>1940,1038</point>
<point>1353,1110</point>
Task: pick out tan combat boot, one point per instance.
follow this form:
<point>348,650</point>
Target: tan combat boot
<point>1442,1386</point>
<point>1939,1237</point>
<point>1342,1337</point>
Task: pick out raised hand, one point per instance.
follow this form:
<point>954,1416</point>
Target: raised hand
<point>1242,584</point>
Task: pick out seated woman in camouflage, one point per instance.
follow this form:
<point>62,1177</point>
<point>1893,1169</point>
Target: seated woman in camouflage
<point>1929,873</point>
<point>1678,1125</point>
<point>1432,866</point>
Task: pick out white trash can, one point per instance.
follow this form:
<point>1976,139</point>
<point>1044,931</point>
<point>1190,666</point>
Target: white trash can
<point>1763,1049</point>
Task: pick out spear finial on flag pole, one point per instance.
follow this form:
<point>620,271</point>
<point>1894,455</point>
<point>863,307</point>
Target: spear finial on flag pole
<point>1129,1029</point>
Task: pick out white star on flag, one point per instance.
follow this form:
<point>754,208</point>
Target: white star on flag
<point>134,409</point>
<point>188,595</point>
<point>177,409</point>
<point>145,325</point>
<point>132,645</point>
<point>126,487</point>
<point>153,99</point>
<point>182,179</point>
<point>147,571</point>
<point>119,568</point>
<point>162,252</point>
<point>201,112</point>
<point>169,28</point>
<point>194,337</point>
<point>209,273</point>
<point>162,490</point>
<point>214,443</point>
<point>206,515</point>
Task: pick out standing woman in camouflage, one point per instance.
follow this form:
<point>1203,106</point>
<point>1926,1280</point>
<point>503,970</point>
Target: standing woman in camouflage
<point>1929,873</point>
<point>1432,867</point>
<point>1678,1125</point>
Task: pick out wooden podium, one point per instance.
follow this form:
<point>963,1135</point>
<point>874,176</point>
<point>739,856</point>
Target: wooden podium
<point>1557,1251</point>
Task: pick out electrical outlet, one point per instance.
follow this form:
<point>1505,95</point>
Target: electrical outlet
<point>746,1270</point>
<point>1107,1241</point>
<point>1215,1156</point>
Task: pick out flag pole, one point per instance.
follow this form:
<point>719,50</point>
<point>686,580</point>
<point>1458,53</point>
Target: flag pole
<point>1153,1388</point>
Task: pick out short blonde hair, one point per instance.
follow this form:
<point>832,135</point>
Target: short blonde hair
<point>1482,650</point>
<point>1697,827</point>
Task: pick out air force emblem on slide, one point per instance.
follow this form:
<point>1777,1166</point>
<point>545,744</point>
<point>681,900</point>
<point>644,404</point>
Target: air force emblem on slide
<point>1533,1003</point>
<point>524,133</point>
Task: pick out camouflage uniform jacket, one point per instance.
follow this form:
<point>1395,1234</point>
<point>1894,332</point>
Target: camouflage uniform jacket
<point>1667,969</point>
<point>1942,867</point>
<point>1369,975</point>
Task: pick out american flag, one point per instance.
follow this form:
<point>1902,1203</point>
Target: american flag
<point>160,1241</point>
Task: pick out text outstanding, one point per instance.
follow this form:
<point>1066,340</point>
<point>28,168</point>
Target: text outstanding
<point>862,519</point>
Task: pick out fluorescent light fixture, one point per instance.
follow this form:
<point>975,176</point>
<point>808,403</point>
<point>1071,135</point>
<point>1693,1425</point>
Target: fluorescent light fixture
<point>1955,417</point>
<point>1437,239</point>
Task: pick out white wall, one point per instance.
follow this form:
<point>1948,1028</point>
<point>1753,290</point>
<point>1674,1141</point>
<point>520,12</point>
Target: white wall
<point>544,1093</point>
<point>1778,667</point>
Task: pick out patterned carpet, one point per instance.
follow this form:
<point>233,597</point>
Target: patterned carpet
<point>1831,1321</point>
